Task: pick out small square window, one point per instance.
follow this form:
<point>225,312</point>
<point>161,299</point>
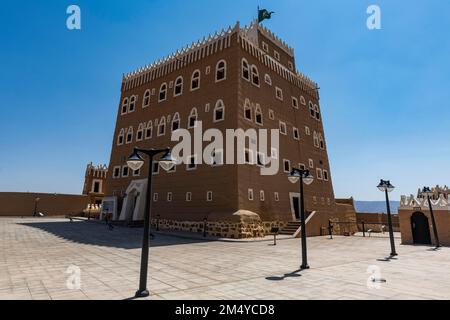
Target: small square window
<point>311,163</point>
<point>276,55</point>
<point>290,66</point>
<point>136,173</point>
<point>307,131</point>
<point>295,102</point>
<point>271,114</point>
<point>209,196</point>
<point>265,47</point>
<point>296,134</point>
<point>279,93</point>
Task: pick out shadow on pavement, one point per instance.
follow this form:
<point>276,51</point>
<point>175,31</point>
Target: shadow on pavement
<point>294,274</point>
<point>99,234</point>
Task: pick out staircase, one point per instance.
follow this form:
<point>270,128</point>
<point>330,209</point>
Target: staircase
<point>291,228</point>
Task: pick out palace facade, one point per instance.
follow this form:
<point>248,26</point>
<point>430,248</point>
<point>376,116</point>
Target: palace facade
<point>242,77</point>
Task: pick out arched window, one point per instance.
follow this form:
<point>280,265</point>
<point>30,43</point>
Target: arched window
<point>120,137</point>
<point>221,70</point>
<point>140,132</point>
<point>178,89</point>
<point>176,122</point>
<point>124,109</point>
<point>258,115</point>
<point>146,100</point>
<point>149,130</point>
<point>219,111</point>
<point>312,111</point>
<point>317,111</point>
<point>195,80</point>
<point>316,139</point>
<point>163,92</point>
<point>193,116</point>
<point>321,141</point>
<point>132,106</point>
<point>245,70</point>
<point>268,79</point>
<point>129,135</point>
<point>162,127</point>
<point>248,112</point>
<point>255,76</point>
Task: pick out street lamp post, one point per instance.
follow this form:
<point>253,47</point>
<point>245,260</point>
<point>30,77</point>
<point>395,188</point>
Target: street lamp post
<point>387,187</point>
<point>428,193</point>
<point>35,206</point>
<point>135,162</point>
<point>305,178</point>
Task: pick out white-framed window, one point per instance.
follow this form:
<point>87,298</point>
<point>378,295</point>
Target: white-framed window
<point>169,196</point>
<point>274,153</point>
<point>316,139</point>
<point>178,89</point>
<point>192,120</point>
<point>319,174</point>
<point>301,166</point>
<point>265,46</point>
<point>195,80</point>
<point>191,163</point>
<point>162,92</point>
<point>140,132</point>
<point>219,111</point>
<point>271,114</point>
<point>286,166</point>
<point>217,157</point>
<point>279,93</point>
<point>290,65</point>
<point>125,171</point>
<point>312,111</point>
<point>250,194</point>
<point>121,137</point>
<point>129,138</point>
<point>302,100</point>
<point>295,102</point>
<point>208,70</point>
<point>258,115</point>
<point>136,173</point>
<point>317,111</point>
<point>276,195</point>
<point>268,79</point>
<point>209,196</point>
<point>132,105</point>
<point>276,54</point>
<point>155,169</point>
<point>176,122</point>
<point>260,159</point>
<point>255,76</point>
<point>283,129</point>
<point>188,196</point>
<point>262,195</point>
<point>116,172</point>
<point>221,71</point>
<point>248,112</point>
<point>162,127</point>
<point>124,108</point>
<point>311,163</point>
<point>296,133</point>
<point>325,175</point>
<point>155,197</point>
<point>248,156</point>
<point>321,141</point>
<point>307,131</point>
<point>146,99</point>
<point>149,130</point>
<point>245,70</point>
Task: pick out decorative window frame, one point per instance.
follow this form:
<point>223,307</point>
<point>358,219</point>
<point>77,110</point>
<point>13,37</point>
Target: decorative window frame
<point>295,103</point>
<point>162,122</point>
<point>129,133</point>
<point>149,128</point>
<point>127,169</point>
<point>284,165</point>
<point>248,107</point>
<point>176,119</point>
<point>114,175</point>
<point>209,196</point>
<point>192,114</point>
<point>140,132</point>
<point>124,106</point>
<point>255,75</point>
<point>279,93</point>
<point>188,196</point>
<point>283,127</point>
<point>161,90</point>
<point>294,132</point>
<point>146,99</point>
<point>276,55</point>
<point>268,79</point>
<point>311,163</point>
<point>133,101</point>
<point>121,136</point>
<point>250,195</point>
<point>245,66</point>
<point>224,69</point>
<point>220,105</point>
<point>196,77</point>
<point>258,112</point>
<point>271,114</point>
<point>265,47</point>
<point>178,85</point>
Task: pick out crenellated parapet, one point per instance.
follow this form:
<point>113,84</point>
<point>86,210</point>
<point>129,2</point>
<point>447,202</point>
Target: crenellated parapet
<point>96,171</point>
<point>411,202</point>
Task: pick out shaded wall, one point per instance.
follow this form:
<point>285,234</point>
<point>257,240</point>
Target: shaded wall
<point>22,204</point>
<point>375,221</point>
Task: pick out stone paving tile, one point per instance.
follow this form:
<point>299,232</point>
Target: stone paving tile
<point>35,256</point>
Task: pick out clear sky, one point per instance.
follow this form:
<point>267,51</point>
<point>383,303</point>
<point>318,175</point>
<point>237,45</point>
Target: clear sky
<point>384,93</point>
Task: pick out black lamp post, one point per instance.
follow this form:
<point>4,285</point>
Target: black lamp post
<point>387,187</point>
<point>305,178</point>
<point>35,206</point>
<point>135,162</point>
<point>428,193</point>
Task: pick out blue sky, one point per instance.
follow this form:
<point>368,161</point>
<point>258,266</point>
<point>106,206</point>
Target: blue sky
<point>384,93</point>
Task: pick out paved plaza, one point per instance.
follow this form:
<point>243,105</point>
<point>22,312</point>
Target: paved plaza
<point>56,259</point>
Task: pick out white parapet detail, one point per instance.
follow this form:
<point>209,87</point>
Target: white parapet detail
<point>411,203</point>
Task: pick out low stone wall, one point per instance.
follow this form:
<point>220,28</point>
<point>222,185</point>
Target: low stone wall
<point>375,221</point>
<point>221,229</point>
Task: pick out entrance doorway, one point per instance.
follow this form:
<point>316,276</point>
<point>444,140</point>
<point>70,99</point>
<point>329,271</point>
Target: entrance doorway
<point>420,228</point>
<point>296,207</point>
